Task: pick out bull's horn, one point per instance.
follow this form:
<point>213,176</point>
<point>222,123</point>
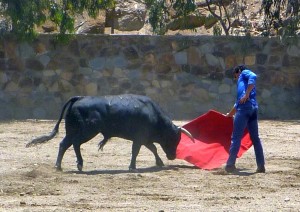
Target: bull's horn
<point>187,133</point>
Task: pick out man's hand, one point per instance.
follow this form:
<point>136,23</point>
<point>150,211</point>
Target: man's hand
<point>231,113</point>
<point>244,99</point>
<point>228,115</point>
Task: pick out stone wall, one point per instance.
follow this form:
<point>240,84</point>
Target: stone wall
<point>186,75</point>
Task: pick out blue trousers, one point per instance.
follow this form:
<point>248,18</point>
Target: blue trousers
<point>245,117</point>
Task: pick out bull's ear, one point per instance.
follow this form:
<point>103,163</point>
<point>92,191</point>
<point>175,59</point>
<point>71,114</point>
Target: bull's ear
<point>187,133</point>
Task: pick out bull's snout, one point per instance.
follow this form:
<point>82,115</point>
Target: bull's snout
<point>171,157</point>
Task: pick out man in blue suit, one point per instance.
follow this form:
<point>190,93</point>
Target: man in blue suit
<point>244,112</point>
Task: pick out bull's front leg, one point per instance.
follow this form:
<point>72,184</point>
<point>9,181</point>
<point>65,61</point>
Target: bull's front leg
<point>102,143</point>
<point>153,149</point>
<point>136,146</point>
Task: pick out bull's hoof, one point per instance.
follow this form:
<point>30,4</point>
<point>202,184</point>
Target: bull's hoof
<point>58,168</point>
<point>79,167</point>
<point>100,146</point>
<point>133,169</point>
<point>160,163</point>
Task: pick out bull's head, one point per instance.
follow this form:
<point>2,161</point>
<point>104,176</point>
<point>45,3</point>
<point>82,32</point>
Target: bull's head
<point>171,141</point>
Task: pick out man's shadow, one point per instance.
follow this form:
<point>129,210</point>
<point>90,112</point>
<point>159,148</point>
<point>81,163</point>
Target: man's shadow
<point>239,172</point>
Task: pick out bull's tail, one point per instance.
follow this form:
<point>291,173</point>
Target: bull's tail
<point>45,138</point>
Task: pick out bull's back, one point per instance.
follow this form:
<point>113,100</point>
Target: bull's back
<point>126,116</point>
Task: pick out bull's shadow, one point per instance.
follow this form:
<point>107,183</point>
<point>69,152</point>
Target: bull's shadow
<point>151,169</point>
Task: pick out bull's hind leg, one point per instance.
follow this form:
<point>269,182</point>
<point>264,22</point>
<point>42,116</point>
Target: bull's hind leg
<point>78,155</point>
<point>153,149</point>
<point>63,146</point>
<point>79,139</point>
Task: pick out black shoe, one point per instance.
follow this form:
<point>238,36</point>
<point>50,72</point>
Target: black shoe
<point>261,170</point>
<point>230,168</point>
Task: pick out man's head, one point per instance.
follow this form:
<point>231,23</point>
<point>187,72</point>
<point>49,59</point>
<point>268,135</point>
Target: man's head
<point>238,70</point>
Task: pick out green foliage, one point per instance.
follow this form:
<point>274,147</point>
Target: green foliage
<point>24,15</point>
<point>184,7</point>
<point>276,11</point>
<point>158,16</point>
<point>289,35</point>
<point>217,30</point>
<point>163,11</point>
<point>180,10</point>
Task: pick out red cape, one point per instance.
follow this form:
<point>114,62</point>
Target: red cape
<point>212,133</point>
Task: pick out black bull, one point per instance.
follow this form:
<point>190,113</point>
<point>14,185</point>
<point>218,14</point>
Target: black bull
<point>131,117</point>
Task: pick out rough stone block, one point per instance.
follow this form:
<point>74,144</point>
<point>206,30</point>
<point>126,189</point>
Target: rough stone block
<point>250,60</point>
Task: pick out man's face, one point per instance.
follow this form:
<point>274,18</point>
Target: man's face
<point>236,75</point>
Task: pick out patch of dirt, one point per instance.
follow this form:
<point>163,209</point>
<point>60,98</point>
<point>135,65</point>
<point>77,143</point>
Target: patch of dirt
<point>28,181</point>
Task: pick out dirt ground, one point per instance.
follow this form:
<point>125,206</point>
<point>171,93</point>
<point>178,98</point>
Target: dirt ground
<point>30,183</point>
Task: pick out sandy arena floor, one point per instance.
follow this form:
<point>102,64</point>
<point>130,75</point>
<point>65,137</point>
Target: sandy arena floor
<point>28,181</point>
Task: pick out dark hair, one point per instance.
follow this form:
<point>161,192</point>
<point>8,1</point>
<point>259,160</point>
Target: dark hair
<point>239,68</point>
